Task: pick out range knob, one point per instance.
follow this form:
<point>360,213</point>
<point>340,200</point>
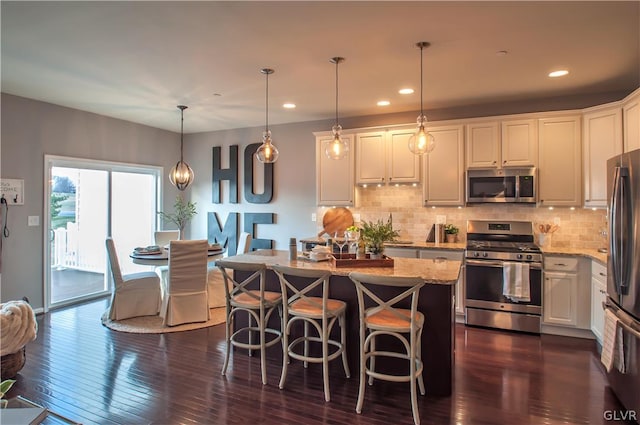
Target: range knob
<point>476,254</point>
<point>519,256</point>
<point>529,256</point>
<point>485,254</point>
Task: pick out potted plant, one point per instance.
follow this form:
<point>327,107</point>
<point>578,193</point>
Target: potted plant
<point>182,215</point>
<point>451,232</point>
<point>374,235</point>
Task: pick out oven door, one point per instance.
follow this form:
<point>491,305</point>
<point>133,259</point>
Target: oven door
<point>484,283</point>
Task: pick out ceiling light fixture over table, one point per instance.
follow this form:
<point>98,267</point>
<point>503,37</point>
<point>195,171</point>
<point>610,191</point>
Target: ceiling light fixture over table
<point>421,142</point>
<point>181,175</point>
<point>267,153</point>
<point>337,148</point>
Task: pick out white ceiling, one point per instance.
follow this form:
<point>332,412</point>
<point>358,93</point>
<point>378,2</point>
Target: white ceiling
<point>137,60</point>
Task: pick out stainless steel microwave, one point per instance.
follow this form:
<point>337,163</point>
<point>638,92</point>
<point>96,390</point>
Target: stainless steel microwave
<point>502,185</point>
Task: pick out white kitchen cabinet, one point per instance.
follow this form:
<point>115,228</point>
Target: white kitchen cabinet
<point>371,158</point>
<point>443,182</point>
<point>483,145</point>
<point>384,157</point>
<point>631,121</point>
<point>519,143</point>
<point>602,139</point>
<point>334,178</point>
<point>400,252</point>
<point>447,254</point>
<point>496,144</point>
<point>598,296</point>
<point>560,298</point>
<point>566,299</point>
<point>560,161</point>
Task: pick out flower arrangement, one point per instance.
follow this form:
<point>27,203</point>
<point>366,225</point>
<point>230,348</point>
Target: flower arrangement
<point>451,229</point>
<point>184,212</point>
<point>374,235</point>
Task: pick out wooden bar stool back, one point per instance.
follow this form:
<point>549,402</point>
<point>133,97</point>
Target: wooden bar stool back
<point>321,313</point>
<point>258,303</point>
<point>379,315</point>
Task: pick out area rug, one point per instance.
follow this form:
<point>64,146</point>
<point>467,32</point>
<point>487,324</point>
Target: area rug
<point>153,324</point>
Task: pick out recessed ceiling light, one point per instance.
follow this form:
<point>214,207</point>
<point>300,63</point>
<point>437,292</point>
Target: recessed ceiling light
<point>558,73</point>
<point>289,105</point>
<point>384,103</point>
<point>405,91</point>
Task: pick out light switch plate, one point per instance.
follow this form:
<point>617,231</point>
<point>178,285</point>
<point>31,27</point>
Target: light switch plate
<point>356,218</point>
<point>34,220</point>
<point>556,220</point>
<point>441,219</point>
<point>313,217</point>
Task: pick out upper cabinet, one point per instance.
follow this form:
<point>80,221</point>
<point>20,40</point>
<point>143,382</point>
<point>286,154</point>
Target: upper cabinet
<point>560,171</point>
<point>384,157</point>
<point>601,140</point>
<point>631,121</point>
<point>495,144</point>
<point>443,182</point>
<point>334,178</point>
<point>519,143</point>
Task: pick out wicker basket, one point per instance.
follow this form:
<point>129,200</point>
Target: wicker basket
<point>12,364</point>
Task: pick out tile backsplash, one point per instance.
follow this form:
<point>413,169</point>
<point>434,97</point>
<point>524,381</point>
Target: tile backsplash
<point>578,228</point>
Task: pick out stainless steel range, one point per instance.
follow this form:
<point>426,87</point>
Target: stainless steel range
<point>496,250</point>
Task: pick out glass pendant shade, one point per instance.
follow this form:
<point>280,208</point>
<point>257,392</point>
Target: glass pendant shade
<point>267,153</point>
<point>181,175</point>
<point>337,148</point>
<point>421,141</point>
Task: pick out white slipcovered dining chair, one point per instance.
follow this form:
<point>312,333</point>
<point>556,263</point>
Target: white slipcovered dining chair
<point>163,237</point>
<point>216,281</point>
<point>134,294</point>
<point>380,315</point>
<point>318,312</point>
<point>185,298</point>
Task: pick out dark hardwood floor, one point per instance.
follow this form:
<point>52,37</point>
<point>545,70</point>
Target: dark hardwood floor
<point>94,375</point>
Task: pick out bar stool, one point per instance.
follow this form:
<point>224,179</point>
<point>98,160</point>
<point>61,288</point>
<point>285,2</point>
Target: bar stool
<point>383,317</point>
<point>319,312</point>
<point>258,303</point>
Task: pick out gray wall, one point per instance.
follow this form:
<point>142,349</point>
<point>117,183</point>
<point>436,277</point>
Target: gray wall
<point>31,129</point>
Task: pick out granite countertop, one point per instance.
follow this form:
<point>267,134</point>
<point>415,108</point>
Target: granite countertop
<point>591,253</point>
<point>441,272</point>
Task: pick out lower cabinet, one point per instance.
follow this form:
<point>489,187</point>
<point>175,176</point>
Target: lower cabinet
<point>446,254</point>
<point>566,299</point>
<point>598,296</point>
<point>401,252</point>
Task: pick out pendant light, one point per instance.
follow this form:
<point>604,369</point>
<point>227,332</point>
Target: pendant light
<point>421,142</point>
<point>337,148</point>
<point>181,175</point>
<point>267,153</point>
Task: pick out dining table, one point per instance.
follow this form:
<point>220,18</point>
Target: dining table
<point>162,258</point>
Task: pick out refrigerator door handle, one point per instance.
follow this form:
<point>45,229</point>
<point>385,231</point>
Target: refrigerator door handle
<point>618,223</point>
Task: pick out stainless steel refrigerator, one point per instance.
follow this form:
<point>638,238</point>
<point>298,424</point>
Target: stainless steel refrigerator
<point>623,281</point>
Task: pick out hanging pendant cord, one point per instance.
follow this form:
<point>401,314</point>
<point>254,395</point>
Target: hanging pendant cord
<point>266,103</point>
<point>337,62</point>
<point>421,90</point>
<point>181,132</point>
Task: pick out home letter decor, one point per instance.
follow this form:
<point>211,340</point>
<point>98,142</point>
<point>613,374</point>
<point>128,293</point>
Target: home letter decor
<point>228,236</point>
<point>250,220</point>
<point>231,174</point>
<point>249,193</point>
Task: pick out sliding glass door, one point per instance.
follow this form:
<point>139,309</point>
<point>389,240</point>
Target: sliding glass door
<point>88,201</point>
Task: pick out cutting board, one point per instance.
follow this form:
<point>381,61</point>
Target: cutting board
<point>336,220</point>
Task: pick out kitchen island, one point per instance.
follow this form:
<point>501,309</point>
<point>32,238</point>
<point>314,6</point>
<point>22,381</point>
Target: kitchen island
<point>435,301</point>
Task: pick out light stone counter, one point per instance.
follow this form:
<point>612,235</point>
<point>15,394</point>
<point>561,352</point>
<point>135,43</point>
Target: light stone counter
<point>592,254</point>
<point>442,272</point>
<point>454,246</point>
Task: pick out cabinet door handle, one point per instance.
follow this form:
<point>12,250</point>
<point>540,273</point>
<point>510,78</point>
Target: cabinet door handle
<point>494,162</point>
<point>560,264</point>
<point>504,162</point>
<point>603,274</point>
